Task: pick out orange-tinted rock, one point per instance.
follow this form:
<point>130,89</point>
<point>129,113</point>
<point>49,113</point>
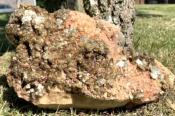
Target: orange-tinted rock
<point>69,59</point>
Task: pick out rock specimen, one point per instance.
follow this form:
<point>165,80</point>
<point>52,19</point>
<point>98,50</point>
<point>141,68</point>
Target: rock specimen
<point>68,59</point>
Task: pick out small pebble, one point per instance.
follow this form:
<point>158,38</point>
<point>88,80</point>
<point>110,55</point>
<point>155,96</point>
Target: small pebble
<point>142,64</point>
<point>28,14</point>
<point>25,75</point>
<point>139,62</point>
<point>59,22</point>
<point>31,90</point>
<point>101,82</point>
<point>39,19</point>
<point>40,87</point>
<point>28,86</point>
<point>155,73</point>
<point>122,63</point>
<point>131,97</point>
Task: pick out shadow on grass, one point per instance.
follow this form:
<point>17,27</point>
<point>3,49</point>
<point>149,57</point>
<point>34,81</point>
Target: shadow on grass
<point>5,45</point>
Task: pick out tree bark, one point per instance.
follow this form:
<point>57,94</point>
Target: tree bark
<point>119,12</point>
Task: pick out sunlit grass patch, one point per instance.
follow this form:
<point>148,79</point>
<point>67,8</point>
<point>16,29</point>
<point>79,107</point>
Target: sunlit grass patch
<point>156,35</point>
<point>163,9</point>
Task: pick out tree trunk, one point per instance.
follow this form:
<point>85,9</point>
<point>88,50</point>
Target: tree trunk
<point>119,12</point>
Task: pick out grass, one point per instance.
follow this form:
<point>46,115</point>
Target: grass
<point>166,10</point>
<point>154,34</point>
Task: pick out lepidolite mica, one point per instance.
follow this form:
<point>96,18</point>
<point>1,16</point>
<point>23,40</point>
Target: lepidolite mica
<point>68,59</point>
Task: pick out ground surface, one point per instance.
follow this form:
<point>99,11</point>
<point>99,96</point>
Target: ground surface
<point>154,34</point>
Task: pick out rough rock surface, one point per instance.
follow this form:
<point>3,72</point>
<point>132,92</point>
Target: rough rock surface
<point>68,59</point>
<point>118,12</point>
